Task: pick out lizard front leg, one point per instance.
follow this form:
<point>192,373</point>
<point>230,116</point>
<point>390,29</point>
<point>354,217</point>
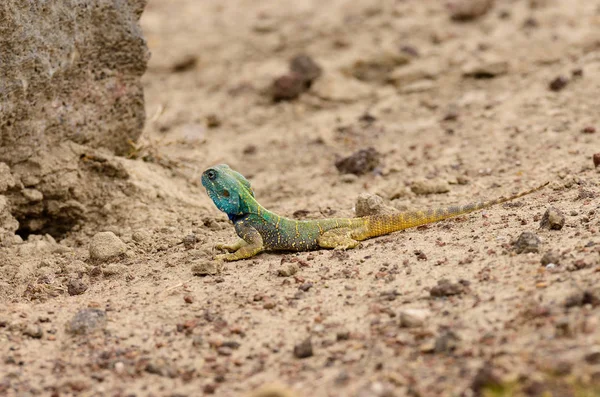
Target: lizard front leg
<point>232,247</point>
<point>252,243</point>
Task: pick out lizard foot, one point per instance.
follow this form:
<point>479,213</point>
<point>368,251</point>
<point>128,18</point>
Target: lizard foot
<point>338,239</point>
<point>231,247</point>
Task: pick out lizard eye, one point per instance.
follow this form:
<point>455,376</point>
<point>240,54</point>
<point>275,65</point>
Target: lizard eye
<point>211,174</point>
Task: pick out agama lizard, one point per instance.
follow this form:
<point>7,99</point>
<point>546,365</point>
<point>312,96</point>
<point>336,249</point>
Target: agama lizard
<point>260,229</point>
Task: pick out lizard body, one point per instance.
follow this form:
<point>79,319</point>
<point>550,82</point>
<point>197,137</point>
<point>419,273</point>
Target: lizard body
<point>260,229</point>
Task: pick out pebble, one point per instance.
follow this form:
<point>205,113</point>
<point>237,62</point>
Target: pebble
<point>467,10</point>
<point>141,236</point>
<point>33,331</point>
<point>87,321</point>
<point>288,270</point>
<point>377,67</point>
<point>596,159</point>
<point>189,241</point>
<point>360,162</point>
<point>288,87</point>
<point>371,204</point>
<point>426,186</point>
<point>485,69</point>
<point>527,242</point>
<point>303,349</point>
<point>558,83</point>
<point>105,246</point>
<point>32,195</point>
<point>206,268</point>
<point>550,258</point>
<point>305,286</point>
<point>445,287</point>
<point>76,287</point>
<point>306,67</point>
<point>553,219</point>
<point>412,318</point>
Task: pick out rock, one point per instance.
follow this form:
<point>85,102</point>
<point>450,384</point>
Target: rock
<point>553,219</point>
<point>306,67</point>
<point>303,349</point>
<point>76,287</point>
<point>596,159</point>
<point>412,318</point>
<point>378,66</point>
<point>189,241</point>
<point>467,10</point>
<point>414,72</point>
<point>527,242</point>
<point>360,162</point>
<point>205,268</point>
<point>446,288</point>
<point>288,87</point>
<point>427,186</point>
<point>371,204</point>
<point>105,246</point>
<point>485,69</point>
<point>81,73</point>
<point>142,236</point>
<point>338,88</point>
<point>288,270</point>
<point>558,83</point>
<point>33,331</point>
<point>87,321</point>
<point>550,257</point>
<point>305,286</point>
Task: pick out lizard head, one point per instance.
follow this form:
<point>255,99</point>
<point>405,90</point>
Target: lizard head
<point>227,189</point>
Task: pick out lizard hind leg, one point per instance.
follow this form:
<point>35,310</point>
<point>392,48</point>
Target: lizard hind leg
<point>337,239</point>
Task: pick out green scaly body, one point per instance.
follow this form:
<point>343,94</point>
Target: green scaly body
<point>260,229</point>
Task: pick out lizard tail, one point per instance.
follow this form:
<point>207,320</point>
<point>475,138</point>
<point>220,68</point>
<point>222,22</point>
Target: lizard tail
<point>378,225</point>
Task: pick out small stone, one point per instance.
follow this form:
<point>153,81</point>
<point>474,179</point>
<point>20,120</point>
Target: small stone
<point>306,67</point>
<point>371,204</point>
<point>213,121</point>
<point>360,162</point>
<point>188,299</point>
<point>206,268</point>
<point>553,219</point>
<point>446,288</point>
<point>224,351</point>
<point>558,83</point>
<point>141,236</point>
<point>303,349</point>
<point>589,129</point>
<point>87,321</point>
<point>593,357</point>
<point>550,257</point>
<point>288,87</point>
<point>189,241</point>
<point>486,69</point>
<point>119,367</point>
<point>105,246</point>
<point>288,270</point>
<point>412,318</point>
<point>76,287</point>
<point>209,388</point>
<point>426,186</point>
<point>305,286</point>
<point>468,10</point>
<point>527,242</point>
<point>269,304</point>
<point>596,159</point>
<point>33,331</point>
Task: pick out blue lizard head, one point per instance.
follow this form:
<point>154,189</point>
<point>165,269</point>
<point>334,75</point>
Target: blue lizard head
<point>227,189</point>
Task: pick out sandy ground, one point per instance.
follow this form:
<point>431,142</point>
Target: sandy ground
<point>467,106</point>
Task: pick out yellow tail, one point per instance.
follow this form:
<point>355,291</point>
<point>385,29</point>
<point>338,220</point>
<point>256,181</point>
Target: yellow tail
<point>378,225</point>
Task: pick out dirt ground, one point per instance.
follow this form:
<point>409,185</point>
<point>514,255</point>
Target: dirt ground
<point>476,109</point>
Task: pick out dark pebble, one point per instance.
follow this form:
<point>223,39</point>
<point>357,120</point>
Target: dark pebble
<point>527,242</point>
<point>550,257</point>
<point>446,288</point>
<point>303,349</point>
<point>306,67</point>
<point>305,286</point>
<point>360,162</point>
<point>596,159</point>
<point>558,83</point>
<point>553,219</point>
<point>189,241</point>
<point>588,130</point>
<point>76,287</point>
<point>288,87</point>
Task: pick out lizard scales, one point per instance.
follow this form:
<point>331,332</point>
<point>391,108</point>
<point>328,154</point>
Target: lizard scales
<point>260,229</point>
